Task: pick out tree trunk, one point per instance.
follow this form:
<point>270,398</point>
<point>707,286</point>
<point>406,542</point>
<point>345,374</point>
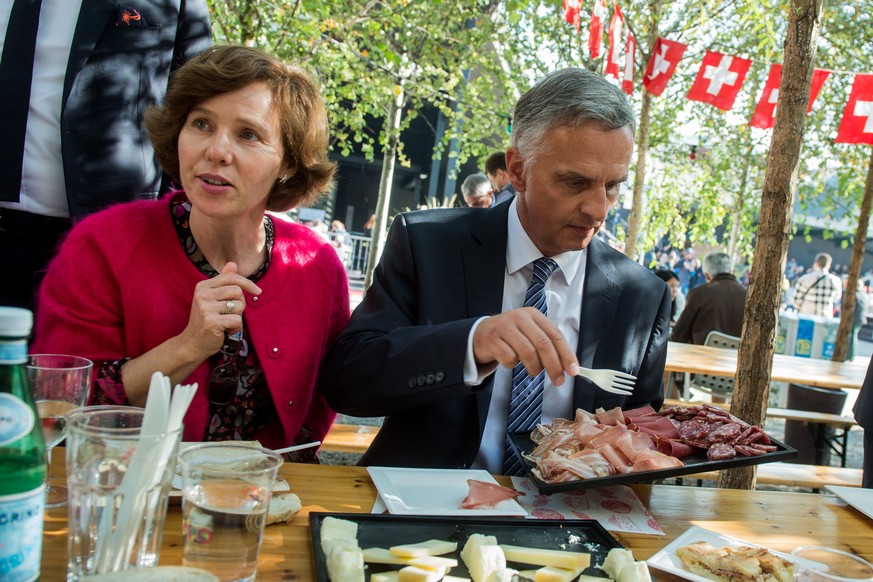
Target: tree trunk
<point>386,181</point>
<point>755,358</point>
<point>636,213</point>
<point>638,203</point>
<point>844,332</point>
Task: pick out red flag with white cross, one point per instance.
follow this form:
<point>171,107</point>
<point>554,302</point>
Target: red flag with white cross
<point>665,56</point>
<point>857,123</point>
<point>613,60</point>
<point>595,29</point>
<point>572,9</point>
<point>627,82</point>
<point>765,111</point>
<point>719,80</point>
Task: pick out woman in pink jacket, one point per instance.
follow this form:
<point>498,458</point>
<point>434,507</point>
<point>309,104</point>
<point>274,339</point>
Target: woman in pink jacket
<point>205,285</point>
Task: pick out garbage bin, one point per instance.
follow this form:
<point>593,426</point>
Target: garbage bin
<point>799,435</point>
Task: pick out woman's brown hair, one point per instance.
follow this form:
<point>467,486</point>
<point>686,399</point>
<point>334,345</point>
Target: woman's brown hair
<point>302,116</point>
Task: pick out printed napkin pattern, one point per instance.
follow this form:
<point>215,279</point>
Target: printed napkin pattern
<point>617,508</point>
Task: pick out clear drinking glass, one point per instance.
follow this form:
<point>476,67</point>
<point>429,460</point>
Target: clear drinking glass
<point>59,383</point>
<point>821,564</point>
<point>226,491</point>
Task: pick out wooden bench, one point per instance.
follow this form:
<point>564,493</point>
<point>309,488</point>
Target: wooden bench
<point>793,475</point>
<point>349,438</point>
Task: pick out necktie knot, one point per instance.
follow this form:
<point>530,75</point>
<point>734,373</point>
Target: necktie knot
<point>543,267</point>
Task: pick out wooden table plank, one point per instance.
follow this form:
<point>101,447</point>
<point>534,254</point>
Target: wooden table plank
<point>777,520</point>
<point>720,362</point>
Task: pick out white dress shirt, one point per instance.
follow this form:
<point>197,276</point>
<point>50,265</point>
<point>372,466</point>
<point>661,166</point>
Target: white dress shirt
<point>43,190</point>
<point>564,297</point>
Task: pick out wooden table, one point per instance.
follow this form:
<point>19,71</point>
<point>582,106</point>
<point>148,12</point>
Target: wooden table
<point>778,520</point>
<point>720,362</point>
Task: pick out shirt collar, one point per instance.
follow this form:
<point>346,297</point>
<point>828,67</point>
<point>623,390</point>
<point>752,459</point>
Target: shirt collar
<point>521,251</point>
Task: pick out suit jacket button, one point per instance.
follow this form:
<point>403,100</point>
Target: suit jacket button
<point>411,382</point>
<point>430,378</point>
<point>440,376</point>
<point>421,379</point>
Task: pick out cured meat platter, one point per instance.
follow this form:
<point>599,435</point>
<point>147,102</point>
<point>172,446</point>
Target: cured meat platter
<point>699,461</point>
<point>383,531</point>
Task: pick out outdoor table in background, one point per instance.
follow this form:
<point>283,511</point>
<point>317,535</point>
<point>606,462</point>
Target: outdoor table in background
<point>777,520</point>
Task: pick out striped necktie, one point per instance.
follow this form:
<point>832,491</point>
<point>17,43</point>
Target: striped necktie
<point>16,70</point>
<point>526,402</point>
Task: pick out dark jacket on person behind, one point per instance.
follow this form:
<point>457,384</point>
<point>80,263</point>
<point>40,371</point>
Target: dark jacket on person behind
<point>716,306</point>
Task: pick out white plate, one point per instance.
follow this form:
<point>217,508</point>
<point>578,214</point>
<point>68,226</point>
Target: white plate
<point>667,561</point>
<point>407,491</point>
<point>860,499</point>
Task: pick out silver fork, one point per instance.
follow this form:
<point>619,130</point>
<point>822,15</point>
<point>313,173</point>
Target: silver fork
<point>610,380</point>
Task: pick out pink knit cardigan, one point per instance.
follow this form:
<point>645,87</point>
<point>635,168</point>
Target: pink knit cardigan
<point>121,284</point>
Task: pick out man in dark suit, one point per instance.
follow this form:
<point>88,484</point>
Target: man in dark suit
<point>433,345</point>
<point>716,306</point>
<point>83,75</point>
<point>501,185</point>
<point>863,410</point>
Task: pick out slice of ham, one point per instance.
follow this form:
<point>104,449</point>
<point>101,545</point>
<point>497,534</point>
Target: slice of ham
<point>485,495</point>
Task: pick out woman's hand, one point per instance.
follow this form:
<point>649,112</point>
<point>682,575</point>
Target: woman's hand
<point>211,316</point>
<point>217,309</point>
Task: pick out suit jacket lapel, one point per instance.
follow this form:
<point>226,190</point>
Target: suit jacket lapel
<point>93,19</point>
<point>599,302</point>
<point>484,256</point>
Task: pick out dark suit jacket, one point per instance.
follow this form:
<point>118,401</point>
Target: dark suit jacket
<point>114,73</point>
<point>716,306</point>
<point>863,410</point>
<point>402,354</point>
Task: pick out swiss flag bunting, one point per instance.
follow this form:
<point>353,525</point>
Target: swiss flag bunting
<point>857,123</point>
<point>595,29</point>
<point>765,111</point>
<point>719,80</point>
<point>665,56</point>
<point>627,82</point>
<point>572,9</point>
<point>613,62</point>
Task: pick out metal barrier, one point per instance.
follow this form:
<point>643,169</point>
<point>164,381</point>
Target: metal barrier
<point>353,251</point>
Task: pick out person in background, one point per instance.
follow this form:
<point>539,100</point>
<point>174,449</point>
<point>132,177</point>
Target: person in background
<point>672,281</point>
<point>76,77</point>
<point>495,170</point>
<point>476,191</point>
<point>716,306</point>
<point>205,285</point>
<point>453,326</point>
<point>816,292</point>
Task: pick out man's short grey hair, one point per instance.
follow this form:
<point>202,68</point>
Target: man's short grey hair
<point>567,98</point>
<point>717,262</point>
<point>475,185</point>
<point>824,260</point>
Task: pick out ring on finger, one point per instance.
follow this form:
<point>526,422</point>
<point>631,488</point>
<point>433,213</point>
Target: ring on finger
<point>229,307</point>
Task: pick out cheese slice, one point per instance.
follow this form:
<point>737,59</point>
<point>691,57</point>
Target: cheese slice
<point>416,574</point>
<point>382,556</point>
<point>428,548</point>
<point>616,559</point>
<point>333,528</point>
<point>541,557</point>
<point>435,563</point>
<point>385,577</point>
<point>634,572</point>
<point>552,574</point>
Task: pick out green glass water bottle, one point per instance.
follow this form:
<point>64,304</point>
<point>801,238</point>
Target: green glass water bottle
<point>22,455</point>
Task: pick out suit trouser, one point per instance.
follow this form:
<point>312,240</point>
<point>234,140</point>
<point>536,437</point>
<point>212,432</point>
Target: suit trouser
<point>27,244</point>
<point>867,480</point>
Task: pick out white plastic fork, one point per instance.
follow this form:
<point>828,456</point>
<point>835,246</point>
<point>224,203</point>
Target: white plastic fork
<point>610,380</point>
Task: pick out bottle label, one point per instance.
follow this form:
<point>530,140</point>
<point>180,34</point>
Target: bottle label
<point>13,351</point>
<point>21,535</point>
<point>16,418</point>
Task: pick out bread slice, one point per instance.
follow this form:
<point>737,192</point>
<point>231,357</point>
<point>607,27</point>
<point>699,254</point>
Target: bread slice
<point>733,563</point>
<point>283,508</point>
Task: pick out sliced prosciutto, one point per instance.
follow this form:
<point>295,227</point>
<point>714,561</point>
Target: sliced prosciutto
<point>484,495</point>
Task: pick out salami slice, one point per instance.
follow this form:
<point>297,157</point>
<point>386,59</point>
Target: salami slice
<point>721,452</point>
<point>726,433</point>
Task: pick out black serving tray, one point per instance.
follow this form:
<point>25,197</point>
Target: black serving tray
<point>696,463</point>
<point>384,531</point>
